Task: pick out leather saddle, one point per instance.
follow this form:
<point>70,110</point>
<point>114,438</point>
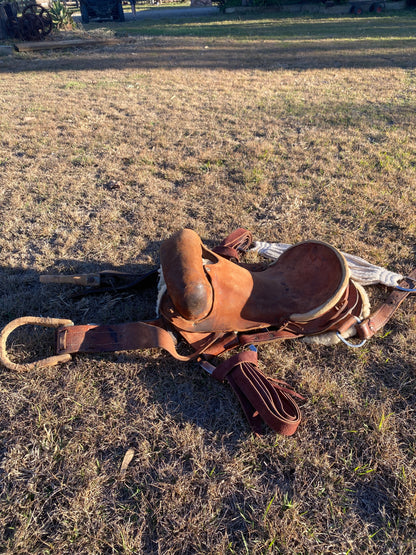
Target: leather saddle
<point>206,292</point>
<point>306,291</point>
<point>217,304</point>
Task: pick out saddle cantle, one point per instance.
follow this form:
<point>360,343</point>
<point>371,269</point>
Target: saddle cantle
<point>208,293</point>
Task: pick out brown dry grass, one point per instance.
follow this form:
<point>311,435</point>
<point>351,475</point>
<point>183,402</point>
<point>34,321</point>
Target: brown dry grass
<point>104,154</point>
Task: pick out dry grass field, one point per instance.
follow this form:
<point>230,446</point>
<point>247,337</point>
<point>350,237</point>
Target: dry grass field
<point>104,153</point>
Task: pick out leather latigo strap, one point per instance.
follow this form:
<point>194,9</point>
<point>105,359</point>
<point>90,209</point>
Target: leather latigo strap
<point>263,399</point>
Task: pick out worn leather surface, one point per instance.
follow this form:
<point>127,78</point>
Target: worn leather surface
<point>307,281</point>
<point>218,305</point>
<point>92,338</point>
<point>187,282</point>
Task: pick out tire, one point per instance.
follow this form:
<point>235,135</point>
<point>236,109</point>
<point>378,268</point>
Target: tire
<point>85,17</point>
<point>377,8</point>
<point>118,13</point>
<point>4,29</point>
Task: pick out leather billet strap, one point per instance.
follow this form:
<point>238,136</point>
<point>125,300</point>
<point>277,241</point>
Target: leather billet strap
<point>263,399</point>
<point>375,322</point>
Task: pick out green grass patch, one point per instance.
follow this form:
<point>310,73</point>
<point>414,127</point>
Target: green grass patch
<point>273,25</point>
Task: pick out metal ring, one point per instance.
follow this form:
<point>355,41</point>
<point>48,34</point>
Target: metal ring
<point>353,345</point>
<point>406,290</point>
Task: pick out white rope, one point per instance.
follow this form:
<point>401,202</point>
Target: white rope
<point>362,272</point>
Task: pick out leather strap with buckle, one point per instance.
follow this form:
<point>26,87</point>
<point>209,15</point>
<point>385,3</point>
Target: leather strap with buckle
<point>371,325</point>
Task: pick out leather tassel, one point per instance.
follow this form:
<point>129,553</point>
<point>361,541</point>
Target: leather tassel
<point>239,241</point>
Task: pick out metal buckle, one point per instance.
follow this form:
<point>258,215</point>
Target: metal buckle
<point>34,321</point>
<point>348,343</point>
<point>405,289</point>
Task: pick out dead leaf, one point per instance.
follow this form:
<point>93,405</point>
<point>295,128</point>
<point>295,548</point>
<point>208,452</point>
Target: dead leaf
<point>128,457</point>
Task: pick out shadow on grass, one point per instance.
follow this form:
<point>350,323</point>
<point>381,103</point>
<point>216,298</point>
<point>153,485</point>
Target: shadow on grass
<point>262,43</point>
<point>151,394</point>
<point>181,391</point>
<point>188,54</point>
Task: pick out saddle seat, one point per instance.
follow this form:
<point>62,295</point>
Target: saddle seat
<point>208,293</point>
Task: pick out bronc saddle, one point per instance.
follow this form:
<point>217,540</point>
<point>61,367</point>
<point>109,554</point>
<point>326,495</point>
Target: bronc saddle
<point>216,304</point>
